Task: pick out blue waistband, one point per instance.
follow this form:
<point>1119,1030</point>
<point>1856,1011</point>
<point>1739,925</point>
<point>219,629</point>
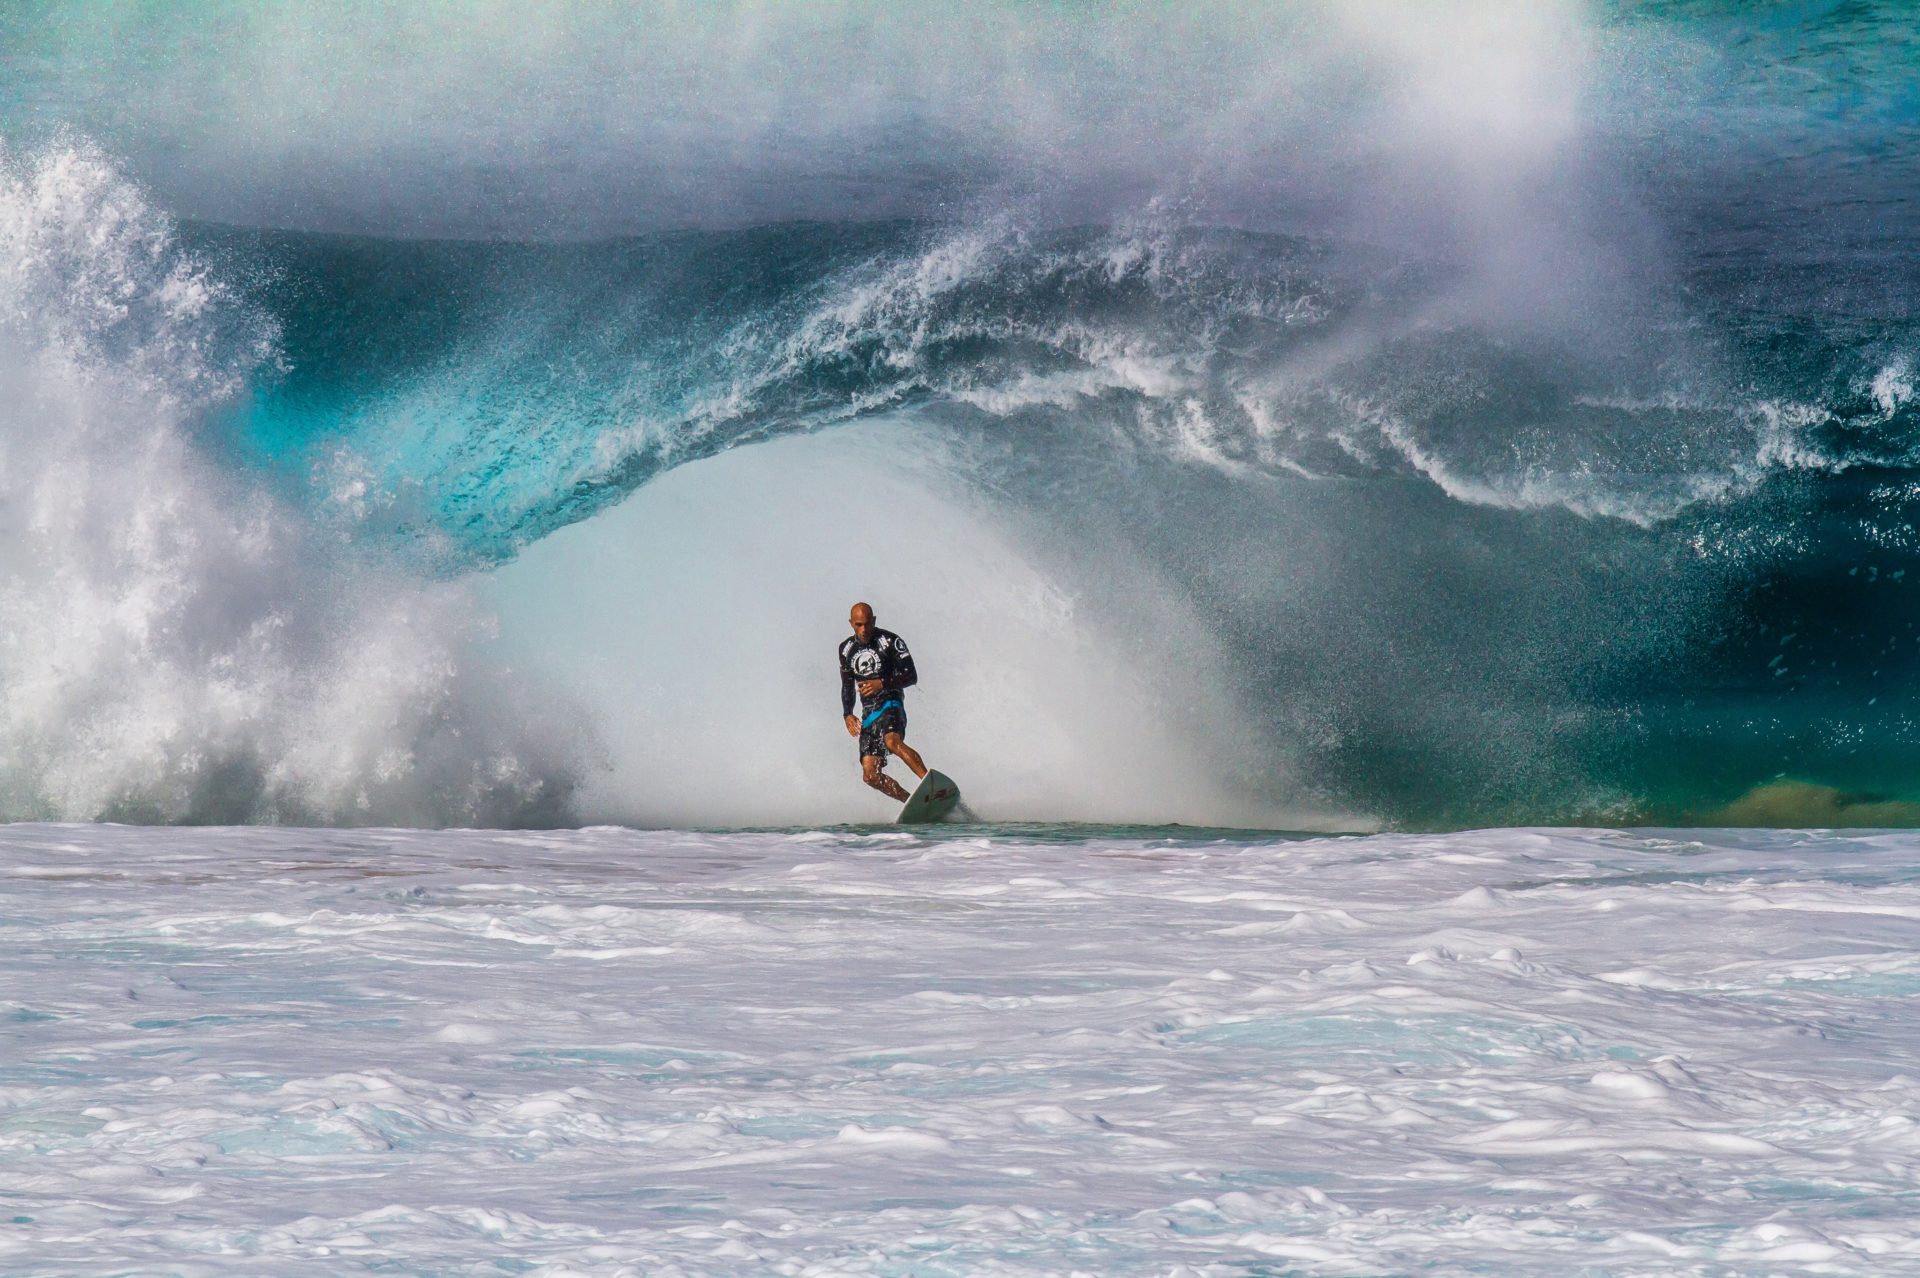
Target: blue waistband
<point>873,715</point>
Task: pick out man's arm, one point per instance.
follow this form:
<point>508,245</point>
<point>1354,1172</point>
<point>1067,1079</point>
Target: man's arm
<point>846,686</point>
<point>904,675</point>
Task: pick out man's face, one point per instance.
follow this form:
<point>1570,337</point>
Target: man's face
<point>862,623</point>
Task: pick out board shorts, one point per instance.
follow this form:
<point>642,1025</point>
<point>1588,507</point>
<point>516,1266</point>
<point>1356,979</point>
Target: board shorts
<point>889,716</point>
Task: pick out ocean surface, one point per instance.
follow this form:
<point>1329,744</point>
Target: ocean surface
<point>982,1051</point>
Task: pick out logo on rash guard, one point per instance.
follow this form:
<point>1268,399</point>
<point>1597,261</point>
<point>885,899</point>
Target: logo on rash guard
<point>866,663</point>
<point>900,646</point>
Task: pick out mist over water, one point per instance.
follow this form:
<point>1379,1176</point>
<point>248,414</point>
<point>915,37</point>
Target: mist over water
<point>581,120</point>
<point>1319,414</point>
<point>695,625</point>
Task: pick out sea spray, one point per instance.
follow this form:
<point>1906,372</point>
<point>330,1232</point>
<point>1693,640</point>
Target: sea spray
<point>179,644</point>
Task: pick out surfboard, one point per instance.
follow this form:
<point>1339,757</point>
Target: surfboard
<point>933,798</point>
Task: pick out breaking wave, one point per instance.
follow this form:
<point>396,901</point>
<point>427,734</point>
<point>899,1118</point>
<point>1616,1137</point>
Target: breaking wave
<point>1512,453</point>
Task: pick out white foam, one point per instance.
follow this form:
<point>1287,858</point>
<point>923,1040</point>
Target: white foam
<point>177,642</point>
<point>313,1051</point>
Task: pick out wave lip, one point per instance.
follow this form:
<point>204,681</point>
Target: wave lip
<point>568,378</point>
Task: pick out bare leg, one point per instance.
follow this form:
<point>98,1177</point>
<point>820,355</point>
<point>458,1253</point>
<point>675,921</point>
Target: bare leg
<point>908,755</point>
<point>870,772</point>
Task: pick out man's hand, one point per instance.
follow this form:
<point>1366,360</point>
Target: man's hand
<point>853,726</point>
<point>871,688</point>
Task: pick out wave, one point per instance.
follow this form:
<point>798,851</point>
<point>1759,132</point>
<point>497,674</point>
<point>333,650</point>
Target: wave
<point>1456,439</point>
<point>517,388</point>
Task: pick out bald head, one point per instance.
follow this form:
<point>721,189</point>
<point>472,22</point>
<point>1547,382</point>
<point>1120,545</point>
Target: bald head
<point>861,619</point>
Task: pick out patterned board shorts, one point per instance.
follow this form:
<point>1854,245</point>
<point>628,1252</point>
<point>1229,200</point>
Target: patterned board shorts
<point>890,717</point>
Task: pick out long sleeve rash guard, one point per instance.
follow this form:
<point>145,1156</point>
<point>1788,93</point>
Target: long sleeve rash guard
<point>881,655</point>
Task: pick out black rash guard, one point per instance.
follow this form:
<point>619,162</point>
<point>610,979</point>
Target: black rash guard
<point>881,655</point>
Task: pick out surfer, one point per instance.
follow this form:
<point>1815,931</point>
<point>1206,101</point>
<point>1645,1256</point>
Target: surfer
<point>875,663</point>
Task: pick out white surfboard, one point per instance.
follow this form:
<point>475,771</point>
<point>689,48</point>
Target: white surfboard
<point>935,796</point>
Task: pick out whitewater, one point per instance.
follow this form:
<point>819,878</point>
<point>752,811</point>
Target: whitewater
<point>969,1051</point>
